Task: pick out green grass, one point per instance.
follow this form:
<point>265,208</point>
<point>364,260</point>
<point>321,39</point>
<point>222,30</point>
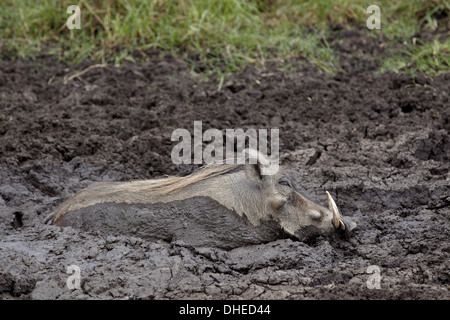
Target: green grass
<point>432,58</point>
<point>227,35</point>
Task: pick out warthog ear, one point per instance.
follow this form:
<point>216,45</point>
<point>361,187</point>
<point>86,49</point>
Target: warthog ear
<point>256,164</point>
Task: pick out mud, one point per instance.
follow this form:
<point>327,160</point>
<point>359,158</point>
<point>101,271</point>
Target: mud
<point>380,144</point>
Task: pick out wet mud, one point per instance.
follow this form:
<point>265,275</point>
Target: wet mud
<point>380,144</point>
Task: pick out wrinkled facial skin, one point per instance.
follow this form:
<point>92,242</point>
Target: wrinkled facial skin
<point>302,218</point>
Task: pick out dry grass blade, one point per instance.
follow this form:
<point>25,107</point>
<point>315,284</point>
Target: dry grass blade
<point>79,74</point>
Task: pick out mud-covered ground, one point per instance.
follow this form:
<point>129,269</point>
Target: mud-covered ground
<point>379,143</point>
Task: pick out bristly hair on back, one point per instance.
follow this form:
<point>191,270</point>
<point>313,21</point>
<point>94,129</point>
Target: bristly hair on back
<point>168,185</point>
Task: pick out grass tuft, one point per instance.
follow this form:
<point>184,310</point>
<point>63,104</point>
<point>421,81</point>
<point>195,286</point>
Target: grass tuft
<point>432,58</point>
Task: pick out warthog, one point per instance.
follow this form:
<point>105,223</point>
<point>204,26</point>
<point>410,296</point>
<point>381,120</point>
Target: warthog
<point>225,206</point>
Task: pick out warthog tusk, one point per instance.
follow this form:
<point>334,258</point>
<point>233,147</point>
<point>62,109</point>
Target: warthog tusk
<point>337,221</point>
<point>342,224</point>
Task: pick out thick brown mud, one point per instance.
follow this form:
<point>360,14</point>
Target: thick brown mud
<point>380,144</point>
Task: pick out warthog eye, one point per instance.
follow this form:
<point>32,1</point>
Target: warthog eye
<point>285,182</point>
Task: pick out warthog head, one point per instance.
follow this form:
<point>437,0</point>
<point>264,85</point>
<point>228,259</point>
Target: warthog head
<point>297,215</point>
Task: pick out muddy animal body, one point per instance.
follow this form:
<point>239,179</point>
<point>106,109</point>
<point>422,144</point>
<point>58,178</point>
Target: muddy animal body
<point>199,221</point>
<point>222,206</point>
